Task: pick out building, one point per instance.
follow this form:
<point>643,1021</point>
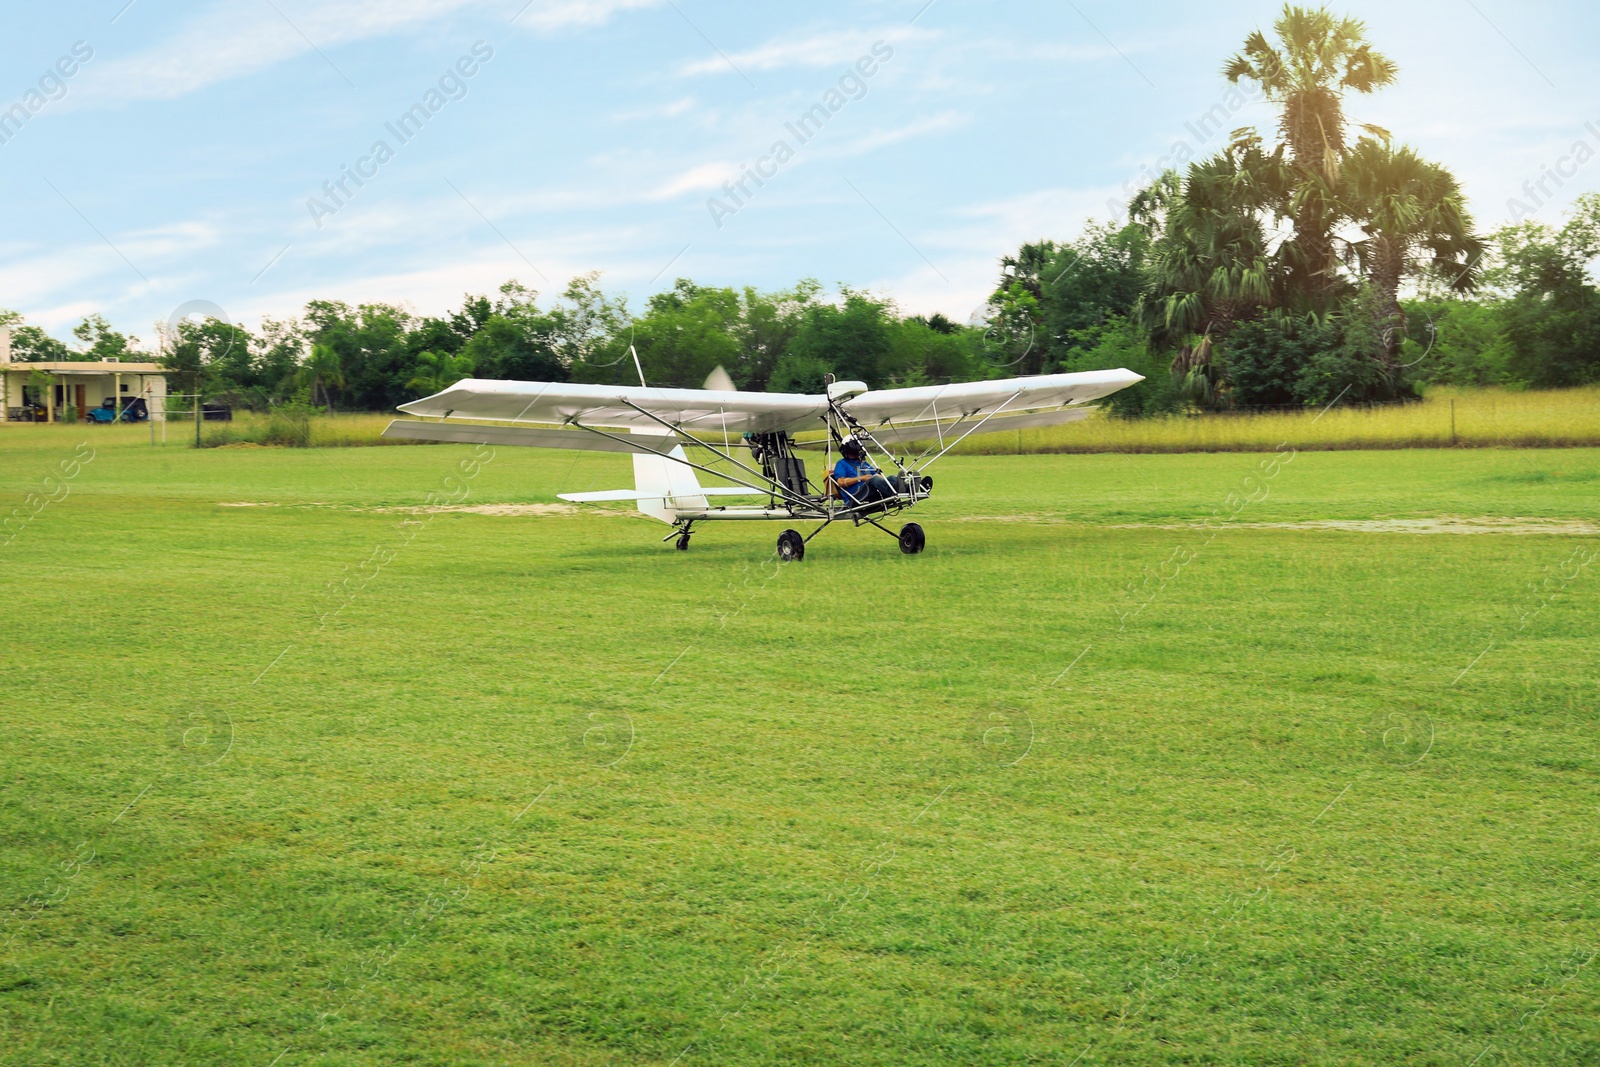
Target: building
<point>75,387</point>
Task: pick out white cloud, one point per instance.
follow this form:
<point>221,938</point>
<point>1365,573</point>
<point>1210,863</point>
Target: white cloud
<point>875,139</point>
<point>921,291</point>
<point>178,239</point>
<point>671,110</point>
<point>559,14</point>
<point>436,289</point>
<point>237,38</point>
<point>967,255</point>
<point>819,50</point>
<point>697,179</point>
<point>424,252</point>
<point>62,318</point>
<point>1057,212</point>
<point>704,177</point>
<point>427,291</point>
<point>1066,52</point>
<point>232,40</point>
<point>43,279</point>
<point>50,279</point>
<point>845,47</point>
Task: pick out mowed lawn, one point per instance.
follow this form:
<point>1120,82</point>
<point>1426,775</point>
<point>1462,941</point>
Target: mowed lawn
<point>335,782</point>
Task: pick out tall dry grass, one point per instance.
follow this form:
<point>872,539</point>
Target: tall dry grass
<point>278,430</point>
<point>1465,418</point>
<point>1468,418</point>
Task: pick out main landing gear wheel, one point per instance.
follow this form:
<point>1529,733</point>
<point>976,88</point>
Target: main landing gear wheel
<point>912,539</point>
<point>791,546</point>
<point>683,541</point>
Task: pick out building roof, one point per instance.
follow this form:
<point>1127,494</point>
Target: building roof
<point>85,367</point>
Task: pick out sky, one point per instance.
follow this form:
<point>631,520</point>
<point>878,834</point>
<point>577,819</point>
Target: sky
<point>251,155</point>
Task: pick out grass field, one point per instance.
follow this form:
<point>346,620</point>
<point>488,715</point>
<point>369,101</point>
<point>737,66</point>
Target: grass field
<point>327,779</point>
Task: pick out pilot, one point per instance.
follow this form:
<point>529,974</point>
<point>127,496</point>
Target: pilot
<point>858,480</point>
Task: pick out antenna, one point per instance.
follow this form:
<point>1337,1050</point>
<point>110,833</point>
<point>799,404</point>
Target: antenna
<point>637,367</point>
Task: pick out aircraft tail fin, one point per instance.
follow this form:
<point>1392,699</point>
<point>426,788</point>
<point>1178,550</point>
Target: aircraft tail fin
<point>672,484</point>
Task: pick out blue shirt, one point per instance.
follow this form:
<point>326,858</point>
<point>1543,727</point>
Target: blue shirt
<point>848,469</point>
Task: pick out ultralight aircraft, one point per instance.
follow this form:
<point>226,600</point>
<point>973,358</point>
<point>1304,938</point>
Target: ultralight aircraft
<point>752,439</point>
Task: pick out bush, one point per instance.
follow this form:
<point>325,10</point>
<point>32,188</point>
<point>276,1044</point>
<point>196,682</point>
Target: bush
<point>1451,341</point>
<point>287,425</point>
<point>1120,343</point>
<point>1311,361</point>
<point>1344,373</point>
<point>1554,338</point>
<point>1263,361</point>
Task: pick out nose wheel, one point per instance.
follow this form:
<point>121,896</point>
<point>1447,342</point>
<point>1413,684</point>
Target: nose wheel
<point>912,539</point>
<point>791,546</point>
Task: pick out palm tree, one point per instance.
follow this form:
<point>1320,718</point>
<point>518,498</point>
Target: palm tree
<point>1408,208</point>
<point>1028,266</point>
<point>438,371</point>
<point>1209,268</point>
<point>1317,60</point>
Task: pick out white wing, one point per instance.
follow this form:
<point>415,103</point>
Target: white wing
<point>927,411</point>
<point>701,411</point>
<point>972,401</point>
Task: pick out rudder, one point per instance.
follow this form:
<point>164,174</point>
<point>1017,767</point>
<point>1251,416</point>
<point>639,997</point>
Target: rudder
<point>675,482</point>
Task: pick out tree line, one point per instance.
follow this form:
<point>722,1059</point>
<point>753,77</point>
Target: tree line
<point>1324,262</point>
<point>374,356</point>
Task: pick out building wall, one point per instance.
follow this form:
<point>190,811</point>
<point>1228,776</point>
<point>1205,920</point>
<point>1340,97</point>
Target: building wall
<point>13,389</point>
<point>96,388</point>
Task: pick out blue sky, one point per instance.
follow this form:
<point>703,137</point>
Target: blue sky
<point>179,161</point>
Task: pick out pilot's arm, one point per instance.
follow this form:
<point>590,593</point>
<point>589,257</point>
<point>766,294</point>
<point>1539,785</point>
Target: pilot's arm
<point>847,481</point>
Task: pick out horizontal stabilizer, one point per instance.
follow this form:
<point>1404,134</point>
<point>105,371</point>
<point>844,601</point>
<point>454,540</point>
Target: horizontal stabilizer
<point>614,495</point>
<point>526,437</point>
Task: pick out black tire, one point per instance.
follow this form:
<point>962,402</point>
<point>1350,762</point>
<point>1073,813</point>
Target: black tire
<point>912,539</point>
<point>683,543</point>
<point>791,546</point>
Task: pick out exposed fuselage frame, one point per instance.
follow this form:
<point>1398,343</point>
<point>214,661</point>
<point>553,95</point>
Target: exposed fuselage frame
<point>792,496</point>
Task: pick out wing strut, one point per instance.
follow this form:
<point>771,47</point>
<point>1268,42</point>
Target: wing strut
<point>978,426</point>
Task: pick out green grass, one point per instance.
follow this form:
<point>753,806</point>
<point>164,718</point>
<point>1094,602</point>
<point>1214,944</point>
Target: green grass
<point>815,850</point>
